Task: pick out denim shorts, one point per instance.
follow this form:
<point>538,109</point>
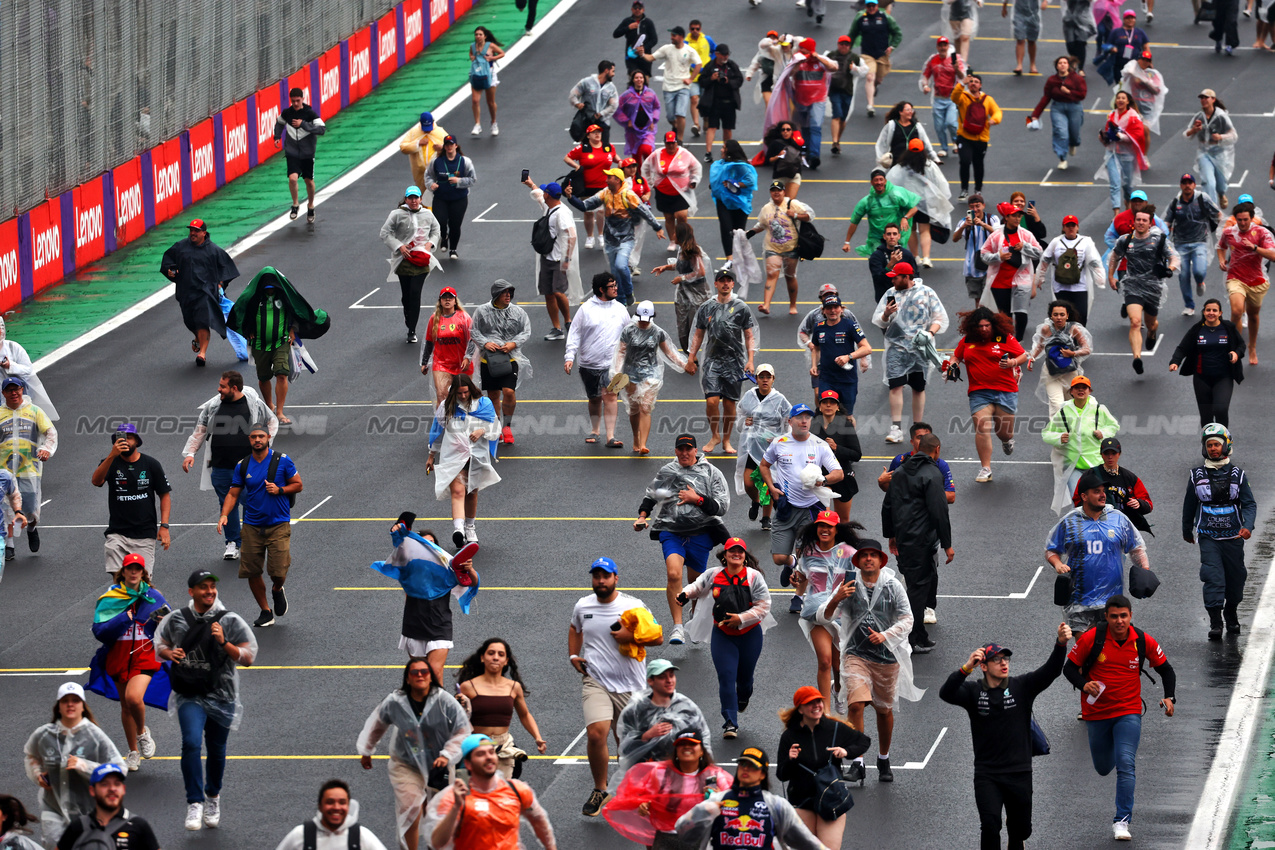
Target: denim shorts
<point>841,103</point>
<point>677,104</point>
<point>982,398</point>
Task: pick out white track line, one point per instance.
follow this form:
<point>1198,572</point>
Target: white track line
<point>312,510</point>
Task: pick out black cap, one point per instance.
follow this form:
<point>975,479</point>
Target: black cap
<point>407,518</point>
<point>755,757</point>
<point>1089,481</point>
<point>198,577</point>
<point>685,441</point>
<point>1111,444</point>
<point>678,30</point>
<point>723,49</point>
<point>723,274</point>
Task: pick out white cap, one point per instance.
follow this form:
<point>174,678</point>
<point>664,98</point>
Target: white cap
<point>645,310</point>
<point>71,689</point>
<point>765,367</point>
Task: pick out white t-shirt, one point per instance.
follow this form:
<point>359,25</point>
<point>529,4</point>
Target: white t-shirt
<point>787,458</point>
<point>611,669</point>
<point>678,62</point>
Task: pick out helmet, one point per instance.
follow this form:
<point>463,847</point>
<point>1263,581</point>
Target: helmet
<point>1214,431</point>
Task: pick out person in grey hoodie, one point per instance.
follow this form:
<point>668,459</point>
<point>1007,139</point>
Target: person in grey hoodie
<point>411,232</point>
<point>298,127</point>
<point>331,826</point>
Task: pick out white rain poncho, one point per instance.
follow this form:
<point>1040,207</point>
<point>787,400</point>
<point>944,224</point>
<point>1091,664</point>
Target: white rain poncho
<point>415,742</point>
<point>1221,153</point>
<point>769,417</point>
<point>696,826</point>
<point>743,262</point>
<point>703,478</point>
<point>681,170</point>
<point>511,324</point>
<point>958,10</point>
<point>1093,273</point>
<point>1077,20</point>
<point>575,287</point>
<point>46,751</point>
<point>1045,344</point>
<point>771,54</point>
<point>931,185</point>
<point>1130,123</point>
<point>885,158</point>
<point>457,453</point>
<point>883,609</point>
<point>641,354</point>
<point>16,363</point>
<point>412,229</point>
<point>918,308</point>
<point>17,839</point>
<point>723,353</point>
<point>1029,250</point>
<point>222,704</point>
<point>1148,90</point>
<point>1139,280</point>
<point>701,625</point>
<point>258,411</point>
<point>641,714</point>
<point>693,291</point>
<point>825,571</point>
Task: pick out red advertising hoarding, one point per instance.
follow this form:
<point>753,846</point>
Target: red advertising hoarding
<point>300,80</point>
<point>130,219</point>
<point>203,160</point>
<point>386,45</point>
<point>438,19</point>
<point>166,179</point>
<point>268,108</point>
<point>360,80</point>
<point>90,222</point>
<point>413,29</point>
<point>329,83</point>
<point>234,139</point>
<point>46,243</point>
<point>10,276</point>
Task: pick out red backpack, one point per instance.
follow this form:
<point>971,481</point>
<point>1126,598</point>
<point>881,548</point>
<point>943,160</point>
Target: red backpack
<point>975,120</point>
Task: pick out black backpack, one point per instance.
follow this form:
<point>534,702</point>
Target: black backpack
<point>196,675</point>
<point>310,836</point>
<point>809,240</point>
<point>93,837</point>
<point>271,471</point>
<point>832,791</point>
<point>1100,640</point>
<point>542,240</point>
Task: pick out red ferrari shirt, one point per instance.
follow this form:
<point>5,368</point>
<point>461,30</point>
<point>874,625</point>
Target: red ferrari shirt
<point>1116,672</point>
<point>982,363</point>
<point>593,161</point>
<point>1005,274</point>
<point>451,338</point>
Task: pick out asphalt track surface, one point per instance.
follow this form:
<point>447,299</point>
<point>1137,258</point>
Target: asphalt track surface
<point>562,503</point>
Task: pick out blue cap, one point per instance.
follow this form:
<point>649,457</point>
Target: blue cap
<point>427,121</point>
<point>553,190</point>
<point>1137,195</point>
<point>412,192</point>
<point>14,381</point>
<point>470,744</point>
<point>604,564</point>
<point>1246,198</point>
<point>104,770</point>
<point>799,409</point>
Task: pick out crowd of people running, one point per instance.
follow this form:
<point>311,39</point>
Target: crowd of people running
<point>863,605</point>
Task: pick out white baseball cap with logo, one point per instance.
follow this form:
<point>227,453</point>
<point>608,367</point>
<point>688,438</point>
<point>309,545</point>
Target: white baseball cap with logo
<point>765,367</point>
<point>71,689</point>
<point>645,310</point>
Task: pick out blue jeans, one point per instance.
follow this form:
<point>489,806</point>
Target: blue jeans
<point>221,486</point>
<point>1212,177</point>
<point>1113,743</point>
<point>1120,170</point>
<point>195,723</point>
<point>810,119</point>
<point>945,114</point>
<point>735,658</point>
<point>677,103</point>
<point>1195,261</point>
<point>618,260</point>
<point>1066,120</point>
<point>842,103</point>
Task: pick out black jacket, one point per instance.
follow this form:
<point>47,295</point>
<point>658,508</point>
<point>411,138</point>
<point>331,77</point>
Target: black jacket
<point>646,28</point>
<point>1184,356</point>
<point>879,263</point>
<point>848,451</point>
<point>814,755</point>
<point>729,80</point>
<point>914,512</point>
<point>1000,720</point>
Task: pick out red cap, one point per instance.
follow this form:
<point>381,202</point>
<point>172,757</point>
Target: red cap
<point>804,695</point>
<point>845,39</point>
<point>832,394</point>
<point>1070,219</point>
<point>593,128</point>
<point>627,161</point>
<point>916,145</point>
<point>943,40</point>
<point>808,45</point>
<point>447,290</point>
<point>133,558</point>
<point>1146,54</point>
<point>827,518</point>
<point>772,34</point>
<point>197,224</point>
<point>1005,208</point>
<point>670,136</point>
<point>900,268</point>
<point>736,543</point>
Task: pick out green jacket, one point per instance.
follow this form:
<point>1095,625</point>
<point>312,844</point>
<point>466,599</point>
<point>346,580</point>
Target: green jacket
<point>1081,448</point>
<point>885,208</point>
<point>308,322</point>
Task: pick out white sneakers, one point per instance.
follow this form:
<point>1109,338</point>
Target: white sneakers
<point>984,475</point>
<point>1120,831</point>
<point>1188,311</point>
<point>931,618</point>
<point>678,637</point>
<point>212,812</point>
<point>133,760</point>
<point>231,553</point>
<point>1062,165</point>
<point>194,816</point>
<point>145,743</point>
<point>477,131</point>
<point>471,534</point>
<point>895,435</point>
<point>588,243</point>
<point>495,129</point>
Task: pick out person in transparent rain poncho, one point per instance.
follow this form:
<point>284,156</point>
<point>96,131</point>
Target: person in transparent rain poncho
<point>426,726</point>
<point>824,556</point>
<point>61,755</point>
<point>726,329</point>
<point>694,269</point>
<point>961,17</point>
<point>15,361</point>
<point>1213,129</point>
<point>911,314</point>
<point>763,416</point>
<point>462,454</point>
<point>919,173</point>
<point>500,327</point>
<point>14,832</point>
<point>1146,84</point>
<point>638,368</point>
<point>1062,344</point>
<point>1147,253</point>
<point>653,720</point>
<point>411,233</point>
<point>874,618</point>
<point>27,439</point>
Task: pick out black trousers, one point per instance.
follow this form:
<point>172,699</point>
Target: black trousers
<point>1011,792</point>
<point>1079,302</point>
<point>728,221</point>
<point>531,11</point>
<point>411,287</point>
<point>1225,22</point>
<point>450,215</point>
<point>1213,398</point>
<point>972,151</point>
<point>1077,49</point>
<point>919,566</point>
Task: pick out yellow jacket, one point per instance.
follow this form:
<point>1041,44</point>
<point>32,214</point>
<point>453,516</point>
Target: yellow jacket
<point>963,99</point>
<point>420,146</point>
<point>645,630</point>
<point>23,432</point>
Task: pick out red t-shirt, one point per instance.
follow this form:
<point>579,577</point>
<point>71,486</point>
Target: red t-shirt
<point>593,161</point>
<point>982,363</point>
<point>1117,671</point>
<point>1245,264</point>
<point>451,338</point>
<point>1005,274</point>
<point>665,186</point>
